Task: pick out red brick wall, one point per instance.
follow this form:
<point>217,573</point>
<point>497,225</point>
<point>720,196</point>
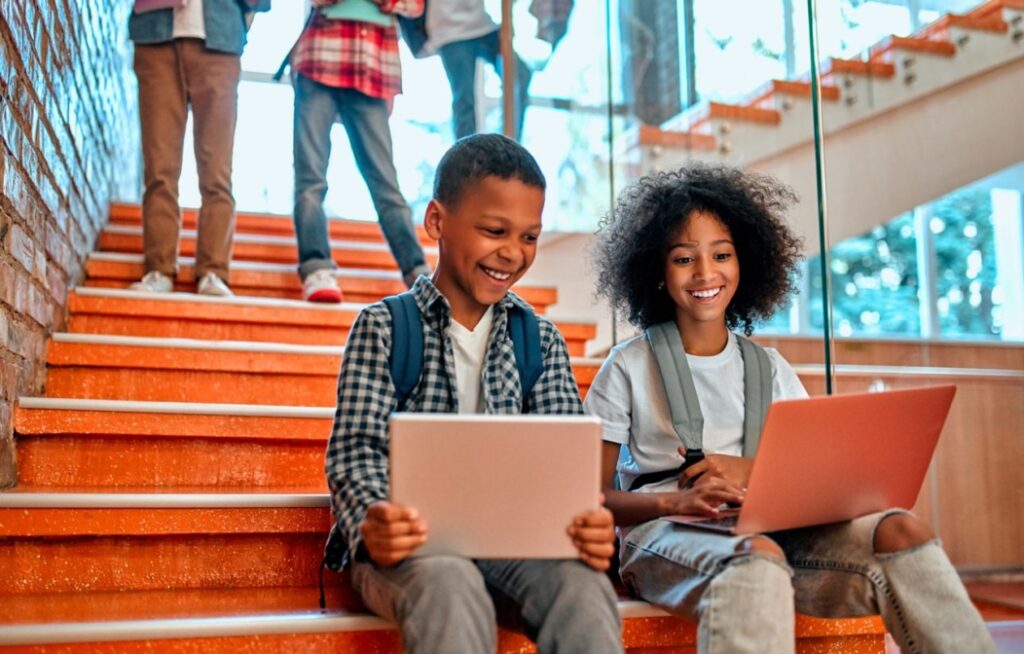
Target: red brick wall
<point>68,144</point>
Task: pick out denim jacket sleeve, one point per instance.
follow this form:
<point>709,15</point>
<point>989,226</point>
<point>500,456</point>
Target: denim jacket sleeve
<point>224,21</point>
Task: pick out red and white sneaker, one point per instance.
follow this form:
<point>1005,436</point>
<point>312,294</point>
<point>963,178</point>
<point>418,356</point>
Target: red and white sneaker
<point>321,286</point>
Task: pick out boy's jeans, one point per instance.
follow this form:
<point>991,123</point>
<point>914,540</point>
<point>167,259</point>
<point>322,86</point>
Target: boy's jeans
<point>447,603</point>
<point>366,122</point>
<point>459,59</point>
<point>746,603</point>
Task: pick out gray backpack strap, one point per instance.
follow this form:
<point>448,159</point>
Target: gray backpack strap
<point>757,392</point>
<point>687,419</point>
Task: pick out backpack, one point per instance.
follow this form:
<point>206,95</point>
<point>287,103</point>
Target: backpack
<point>406,362</point>
<point>406,365</point>
<point>687,420</point>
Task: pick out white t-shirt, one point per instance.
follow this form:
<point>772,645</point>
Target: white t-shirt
<point>470,349</point>
<point>629,397</point>
<point>449,21</point>
<point>188,21</point>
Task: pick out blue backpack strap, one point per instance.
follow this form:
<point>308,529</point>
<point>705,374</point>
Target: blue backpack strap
<point>524,329</point>
<point>406,344</point>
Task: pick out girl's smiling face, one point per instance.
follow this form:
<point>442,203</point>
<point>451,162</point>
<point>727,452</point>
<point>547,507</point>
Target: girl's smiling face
<point>702,271</point>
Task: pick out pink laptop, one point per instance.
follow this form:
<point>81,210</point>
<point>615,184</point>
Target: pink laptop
<point>834,458</point>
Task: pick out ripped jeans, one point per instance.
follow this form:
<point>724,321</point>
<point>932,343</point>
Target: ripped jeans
<point>746,602</point>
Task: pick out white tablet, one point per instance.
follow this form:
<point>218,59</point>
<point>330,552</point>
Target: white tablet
<point>494,486</point>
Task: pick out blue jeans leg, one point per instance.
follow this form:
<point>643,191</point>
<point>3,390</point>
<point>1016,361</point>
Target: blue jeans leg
<point>440,603</point>
<point>568,607</point>
<point>315,112</point>
<point>459,60</point>
<point>366,121</point>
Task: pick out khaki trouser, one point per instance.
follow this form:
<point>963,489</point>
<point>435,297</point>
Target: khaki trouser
<point>173,76</point>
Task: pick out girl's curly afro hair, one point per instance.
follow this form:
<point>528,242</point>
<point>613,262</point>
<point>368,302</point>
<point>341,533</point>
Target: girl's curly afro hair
<point>629,255</point>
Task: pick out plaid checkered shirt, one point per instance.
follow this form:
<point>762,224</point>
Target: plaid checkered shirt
<point>357,453</point>
<point>354,55</point>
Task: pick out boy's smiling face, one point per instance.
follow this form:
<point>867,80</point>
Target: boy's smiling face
<point>487,241</point>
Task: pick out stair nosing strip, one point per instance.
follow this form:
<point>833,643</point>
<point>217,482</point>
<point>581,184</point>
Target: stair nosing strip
<point>181,628</point>
<point>115,500</point>
<point>267,347</point>
<point>258,266</point>
<point>262,239</point>
<point>237,300</point>
<point>251,625</point>
<point>175,408</point>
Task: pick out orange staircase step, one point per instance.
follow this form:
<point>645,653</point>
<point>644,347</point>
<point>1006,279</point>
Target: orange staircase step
<point>650,135</point>
<point>986,23</point>
<point>288,620</point>
<point>118,270</point>
<point>122,445</point>
<point>270,224</point>
<point>273,249</point>
<point>721,111</point>
<point>179,315</point>
<point>995,7</point>
<point>833,66</point>
<point>886,48</point>
<point>181,370</point>
<point>64,542</point>
<point>764,96</point>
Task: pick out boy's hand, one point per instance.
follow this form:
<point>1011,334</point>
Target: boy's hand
<point>593,534</point>
<point>733,468</point>
<point>392,532</point>
<point>707,494</point>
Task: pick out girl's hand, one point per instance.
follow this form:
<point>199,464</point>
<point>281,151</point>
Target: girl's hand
<point>593,534</point>
<point>392,532</point>
<point>736,469</point>
<point>707,494</point>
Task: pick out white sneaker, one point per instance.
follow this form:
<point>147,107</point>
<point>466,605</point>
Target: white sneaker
<point>211,284</point>
<point>154,282</point>
<point>321,286</point>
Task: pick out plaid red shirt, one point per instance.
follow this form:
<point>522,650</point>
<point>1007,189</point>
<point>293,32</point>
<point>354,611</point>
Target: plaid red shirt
<point>354,55</point>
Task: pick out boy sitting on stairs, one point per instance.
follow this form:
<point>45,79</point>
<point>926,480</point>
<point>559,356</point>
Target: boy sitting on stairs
<point>486,217</point>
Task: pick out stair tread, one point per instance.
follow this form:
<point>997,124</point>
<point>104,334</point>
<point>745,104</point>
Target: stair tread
<point>186,613</point>
<point>220,497</point>
<point>240,308</point>
<point>264,239</point>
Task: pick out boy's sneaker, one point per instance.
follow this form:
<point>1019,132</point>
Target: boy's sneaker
<point>154,282</point>
<point>211,284</point>
<point>321,286</point>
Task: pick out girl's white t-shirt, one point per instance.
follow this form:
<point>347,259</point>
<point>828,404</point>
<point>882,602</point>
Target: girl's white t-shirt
<point>629,397</point>
<point>188,21</point>
<point>449,21</point>
<point>470,349</point>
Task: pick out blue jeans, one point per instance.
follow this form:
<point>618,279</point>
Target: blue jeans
<point>459,59</point>
<point>449,603</point>
<point>366,122</point>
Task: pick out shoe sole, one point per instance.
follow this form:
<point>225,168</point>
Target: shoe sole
<point>325,295</point>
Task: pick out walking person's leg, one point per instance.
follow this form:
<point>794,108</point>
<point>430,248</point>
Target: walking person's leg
<point>366,121</point>
<point>491,49</point>
<point>212,82</point>
<point>316,111</point>
<point>459,60</point>
<point>163,112</point>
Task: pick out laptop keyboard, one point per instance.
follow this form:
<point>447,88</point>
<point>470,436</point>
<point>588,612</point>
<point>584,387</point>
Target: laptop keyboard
<point>724,522</point>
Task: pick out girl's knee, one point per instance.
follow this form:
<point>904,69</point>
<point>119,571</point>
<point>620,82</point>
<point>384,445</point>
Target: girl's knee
<point>901,531</point>
<point>761,546</point>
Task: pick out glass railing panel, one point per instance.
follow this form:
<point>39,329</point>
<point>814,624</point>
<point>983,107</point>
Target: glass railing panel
<point>924,218</point>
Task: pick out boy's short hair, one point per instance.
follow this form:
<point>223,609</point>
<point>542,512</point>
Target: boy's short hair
<point>477,156</point>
